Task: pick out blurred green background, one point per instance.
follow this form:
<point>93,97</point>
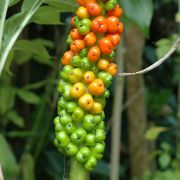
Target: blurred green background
<point>146,108</point>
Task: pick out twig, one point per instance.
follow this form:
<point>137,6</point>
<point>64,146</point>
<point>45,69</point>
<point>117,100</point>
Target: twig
<point>117,120</point>
<point>156,64</point>
<point>1,174</point>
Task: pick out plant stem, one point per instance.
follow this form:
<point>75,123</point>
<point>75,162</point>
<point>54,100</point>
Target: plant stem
<point>1,174</point>
<point>2,19</point>
<point>117,118</point>
<point>77,171</point>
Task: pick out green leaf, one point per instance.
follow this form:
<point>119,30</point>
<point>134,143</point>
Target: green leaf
<point>33,46</point>
<point>47,15</point>
<point>63,6</point>
<point>7,159</point>
<point>140,12</point>
<point>14,26</point>
<point>153,133</point>
<point>102,168</point>
<point>19,134</point>
<point>166,147</point>
<point>13,2</point>
<point>165,44</point>
<point>35,85</point>
<point>8,62</point>
<point>44,42</point>
<point>3,10</point>
<point>11,26</point>
<point>164,160</point>
<point>15,118</point>
<point>27,49</point>
<point>7,97</point>
<point>27,164</point>
<point>28,96</point>
<point>31,4</point>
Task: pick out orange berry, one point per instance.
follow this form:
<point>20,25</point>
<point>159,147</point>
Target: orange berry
<point>96,87</point>
<point>99,25</point>
<point>94,8</point>
<point>68,55</point>
<point>86,102</point>
<point>115,39</point>
<point>90,39</point>
<point>112,69</point>
<point>84,2</point>
<point>94,53</point>
<point>72,21</point>
<point>81,2</point>
<point>117,11</point>
<point>75,34</point>
<point>77,45</point>
<point>120,28</point>
<point>103,64</point>
<point>112,24</point>
<point>88,77</point>
<point>105,45</point>
<point>77,90</point>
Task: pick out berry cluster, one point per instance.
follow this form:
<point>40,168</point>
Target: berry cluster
<point>85,78</point>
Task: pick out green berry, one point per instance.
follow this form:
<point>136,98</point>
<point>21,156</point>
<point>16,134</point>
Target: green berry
<point>88,122</point>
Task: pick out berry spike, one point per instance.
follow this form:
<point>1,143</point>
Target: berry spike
<point>87,73</point>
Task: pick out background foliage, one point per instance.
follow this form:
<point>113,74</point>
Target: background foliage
<point>32,44</point>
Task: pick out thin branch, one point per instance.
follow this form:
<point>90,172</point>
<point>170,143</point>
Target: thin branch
<point>156,64</point>
<point>1,174</point>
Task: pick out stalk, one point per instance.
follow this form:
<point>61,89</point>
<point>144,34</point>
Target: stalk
<point>178,113</point>
<point>117,119</point>
<point>2,19</point>
<point>78,172</point>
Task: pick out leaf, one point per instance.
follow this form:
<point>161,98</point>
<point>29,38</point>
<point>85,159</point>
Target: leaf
<point>31,4</point>
<point>165,44</point>
<point>11,27</point>
<point>47,15</point>
<point>28,96</point>
<point>164,160</point>
<point>63,6</point>
<point>33,46</point>
<point>153,133</point>
<point>27,164</point>
<point>15,118</point>
<point>7,97</point>
<point>3,10</point>
<point>166,147</point>
<point>20,134</point>
<point>8,62</point>
<point>44,42</point>
<point>140,12</point>
<point>13,2</point>
<point>7,159</point>
<point>14,26</point>
<point>27,49</point>
<point>35,85</point>
<point>102,168</point>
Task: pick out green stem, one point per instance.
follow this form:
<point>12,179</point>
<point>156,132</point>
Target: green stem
<point>3,8</point>
<point>78,172</point>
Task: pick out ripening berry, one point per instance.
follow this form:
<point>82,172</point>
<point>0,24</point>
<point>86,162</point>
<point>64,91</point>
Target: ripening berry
<point>86,102</point>
<point>94,53</point>
<point>99,25</point>
<point>105,45</point>
<point>117,11</point>
<point>94,8</point>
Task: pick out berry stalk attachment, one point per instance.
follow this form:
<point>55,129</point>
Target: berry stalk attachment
<point>87,73</point>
